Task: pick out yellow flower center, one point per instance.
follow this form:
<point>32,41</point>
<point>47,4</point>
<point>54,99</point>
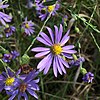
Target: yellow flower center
<point>26,25</point>
<point>51,8</point>
<point>9,81</point>
<point>56,49</point>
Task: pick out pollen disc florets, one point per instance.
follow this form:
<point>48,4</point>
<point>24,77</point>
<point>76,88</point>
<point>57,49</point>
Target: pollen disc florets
<point>23,87</point>
<point>9,81</point>
<point>26,25</point>
<point>56,49</point>
<point>51,8</point>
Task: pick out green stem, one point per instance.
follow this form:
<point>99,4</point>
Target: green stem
<point>4,64</point>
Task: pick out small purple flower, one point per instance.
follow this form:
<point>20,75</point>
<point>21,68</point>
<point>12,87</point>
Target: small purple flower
<point>8,81</point>
<point>44,11</point>
<point>76,62</point>
<point>55,52</point>
<point>9,30</point>
<point>88,77</point>
<point>7,58</point>
<point>14,54</point>
<point>29,84</point>
<point>28,27</point>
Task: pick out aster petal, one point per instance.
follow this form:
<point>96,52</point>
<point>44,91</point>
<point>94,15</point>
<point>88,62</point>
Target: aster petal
<point>25,96</point>
<point>60,33</point>
<point>69,56</point>
<point>58,65</point>
<point>1,87</point>
<point>27,31</point>
<point>32,85</point>
<point>69,51</point>
<point>56,34</point>
<point>37,80</point>
<point>32,93</point>
<point>39,49</point>
<point>4,74</point>
<point>51,34</point>
<point>6,19</point>
<point>30,76</point>
<point>19,96</point>
<point>43,41</point>
<point>68,47</point>
<point>41,54</point>
<point>61,65</point>
<point>43,61</point>
<point>54,67</point>
<point>18,72</point>
<point>1,78</point>
<point>45,37</point>
<point>8,87</point>
<point>64,62</point>
<point>5,15</point>
<point>48,66</point>
<point>10,73</point>
<point>65,38</point>
<point>2,21</point>
<point>13,95</point>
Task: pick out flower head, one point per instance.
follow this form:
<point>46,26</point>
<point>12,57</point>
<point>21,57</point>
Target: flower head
<point>14,54</point>
<point>55,52</point>
<point>8,80</point>
<point>88,77</point>
<point>7,57</point>
<point>28,84</point>
<point>44,11</point>
<point>28,27</point>
<point>9,31</point>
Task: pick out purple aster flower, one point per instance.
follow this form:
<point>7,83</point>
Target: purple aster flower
<point>14,54</point>
<point>7,58</point>
<point>29,84</point>
<point>8,81</point>
<point>88,77</point>
<point>28,27</point>
<point>44,11</point>
<point>55,52</point>
<point>9,30</point>
<point>76,62</point>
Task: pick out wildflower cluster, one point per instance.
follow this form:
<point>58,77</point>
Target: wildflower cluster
<point>53,46</point>
<point>15,84</point>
